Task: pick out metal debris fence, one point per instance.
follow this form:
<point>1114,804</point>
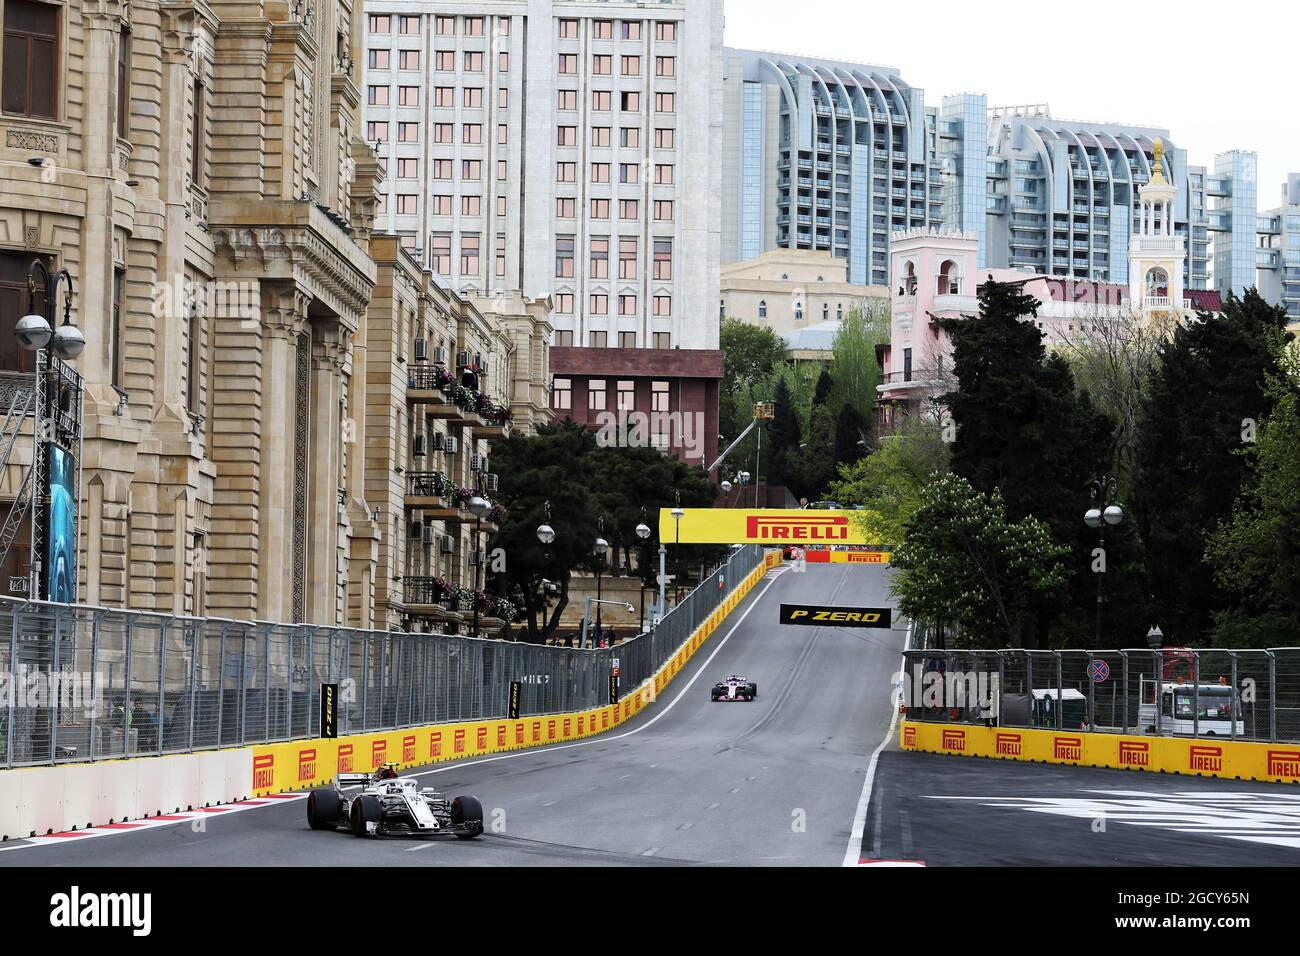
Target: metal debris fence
<point>1240,694</point>
<point>80,683</point>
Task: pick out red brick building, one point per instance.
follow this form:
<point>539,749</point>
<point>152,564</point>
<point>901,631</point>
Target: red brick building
<point>666,399</point>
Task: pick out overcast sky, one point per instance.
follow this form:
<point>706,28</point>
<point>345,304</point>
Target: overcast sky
<point>1219,76</point>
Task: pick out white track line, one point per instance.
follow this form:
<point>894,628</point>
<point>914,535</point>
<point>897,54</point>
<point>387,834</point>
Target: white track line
<point>606,739</point>
<point>853,854</point>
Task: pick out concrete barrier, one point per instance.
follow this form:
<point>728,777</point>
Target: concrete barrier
<point>35,801</point>
<point>1200,757</point>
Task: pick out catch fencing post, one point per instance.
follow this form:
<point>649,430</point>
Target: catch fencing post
<point>1196,695</point>
<point>1232,713</point>
<point>94,681</point>
<point>164,627</point>
<point>221,684</point>
<point>1272,696</point>
<point>54,703</point>
<point>1059,680</point>
<point>13,665</point>
<point>1123,656</point>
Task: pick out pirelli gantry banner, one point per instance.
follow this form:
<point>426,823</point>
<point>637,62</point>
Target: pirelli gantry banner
<point>762,526</point>
<point>817,615</point>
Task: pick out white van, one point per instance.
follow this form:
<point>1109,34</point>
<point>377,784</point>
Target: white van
<point>1213,710</point>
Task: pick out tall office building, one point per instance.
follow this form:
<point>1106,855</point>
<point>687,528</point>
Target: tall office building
<point>542,146</point>
<point>824,155</point>
<point>567,150</point>
<point>1279,255</point>
<point>1233,218</point>
<point>1062,195</point>
<point>963,149</point>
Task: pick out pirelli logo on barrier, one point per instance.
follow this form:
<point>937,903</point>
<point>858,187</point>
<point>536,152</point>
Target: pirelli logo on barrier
<point>501,735</point>
<point>306,764</point>
<point>378,752</point>
<point>481,737</point>
<point>1284,763</point>
<point>909,736</point>
<point>1009,745</point>
<point>1204,759</point>
<point>816,615</point>
<point>1067,748</point>
<point>435,743</point>
<point>1134,753</point>
<point>458,740</point>
<point>263,771</point>
<point>346,759</point>
<point>408,749</point>
<point>954,740</point>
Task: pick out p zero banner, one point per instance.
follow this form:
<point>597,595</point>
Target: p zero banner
<point>516,687</point>
<point>817,615</point>
<point>329,711</point>
<point>762,526</point>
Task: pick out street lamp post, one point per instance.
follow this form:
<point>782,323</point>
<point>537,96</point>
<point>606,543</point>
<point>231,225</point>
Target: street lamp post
<point>546,535</point>
<point>1104,511</point>
<point>642,532</point>
<point>58,420</point>
<point>601,547</point>
<point>678,514</point>
<point>1156,639</point>
<point>479,507</point>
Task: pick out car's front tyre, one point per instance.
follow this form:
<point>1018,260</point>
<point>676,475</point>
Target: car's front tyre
<point>365,809</point>
<point>324,807</point>
<point>467,816</point>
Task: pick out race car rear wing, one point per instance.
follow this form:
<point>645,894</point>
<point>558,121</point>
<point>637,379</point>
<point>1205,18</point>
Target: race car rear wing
<point>353,779</point>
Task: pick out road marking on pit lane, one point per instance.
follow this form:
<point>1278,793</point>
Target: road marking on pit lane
<point>636,730</point>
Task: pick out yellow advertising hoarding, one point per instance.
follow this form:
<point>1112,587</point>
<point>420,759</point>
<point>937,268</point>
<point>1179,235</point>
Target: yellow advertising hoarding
<point>770,526</point>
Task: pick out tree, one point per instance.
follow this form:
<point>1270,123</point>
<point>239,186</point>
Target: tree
<point>1113,359</point>
<point>855,370</point>
<point>784,437</point>
<point>1204,404</point>
<point>750,354</point>
<point>964,564</point>
<point>814,465</point>
<point>551,466</point>
<point>851,436</point>
<point>888,482</point>
<point>1255,553</point>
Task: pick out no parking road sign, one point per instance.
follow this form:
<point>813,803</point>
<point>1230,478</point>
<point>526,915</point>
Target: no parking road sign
<point>1098,671</point>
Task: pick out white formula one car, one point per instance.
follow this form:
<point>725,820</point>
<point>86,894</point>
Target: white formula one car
<point>734,687</point>
<point>387,803</point>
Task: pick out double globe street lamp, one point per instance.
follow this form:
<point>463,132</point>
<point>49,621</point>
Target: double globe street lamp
<point>1105,512</point>
<point>480,508</point>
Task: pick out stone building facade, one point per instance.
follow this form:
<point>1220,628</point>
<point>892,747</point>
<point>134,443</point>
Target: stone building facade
<point>197,167</point>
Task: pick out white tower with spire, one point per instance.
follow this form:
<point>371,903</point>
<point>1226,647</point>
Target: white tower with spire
<point>1156,254</point>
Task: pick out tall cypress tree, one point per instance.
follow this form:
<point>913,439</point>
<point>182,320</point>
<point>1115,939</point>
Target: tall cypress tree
<point>1023,429</point>
<point>781,447</point>
<point>1208,394</point>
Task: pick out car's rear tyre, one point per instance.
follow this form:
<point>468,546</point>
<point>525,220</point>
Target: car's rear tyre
<point>753,691</point>
<point>365,809</point>
<point>324,807</point>
<point>467,813</point>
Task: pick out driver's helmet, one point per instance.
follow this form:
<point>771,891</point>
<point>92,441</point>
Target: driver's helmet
<point>385,773</point>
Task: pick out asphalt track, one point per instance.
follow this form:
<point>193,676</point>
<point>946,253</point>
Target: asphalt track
<point>775,781</point>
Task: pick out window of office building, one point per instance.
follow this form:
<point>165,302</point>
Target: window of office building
<point>602,64</point>
<point>440,253</point>
<point>665,103</point>
<point>377,132</point>
<point>381,24</point>
<point>563,338</point>
<point>566,172</point>
<point>663,306</point>
<point>625,389</point>
<point>472,133</point>
<point>600,257</point>
<point>631,66</point>
<point>629,172</point>
<point>660,396</point>
<point>566,207</point>
<point>600,172</point>
<point>600,209</point>
<point>631,29</point>
<point>602,29</point>
<point>469,247</point>
<point>408,60</point>
<point>600,136</point>
<point>408,96</point>
<point>408,132</point>
<point>471,169</point>
<point>666,30</point>
<point>564,257</point>
<point>503,61</point>
<point>444,61</point>
<point>408,169</point>
<point>665,66</point>
<point>629,137</point>
<point>630,101</point>
<point>378,59</point>
<point>410,26</point>
<point>665,174</point>
<point>568,29</point>
<point>440,205</point>
<point>629,208</point>
<point>664,138</point>
<point>473,26</point>
<point>473,61</point>
<point>566,99</point>
<point>564,303</point>
<point>600,100</point>
<point>663,259</point>
<point>503,98</point>
<point>377,96</point>
<point>598,304</point>
<point>663,210</point>
<point>568,64</point>
<point>627,255</point>
<point>501,256</point>
<point>445,26</point>
<point>663,340</point>
<point>442,132</point>
<point>627,305</point>
<point>566,136</point>
<point>442,169</point>
<point>562,388</point>
<point>473,97</point>
<point>471,205</point>
<point>444,97</point>
<point>406,204</point>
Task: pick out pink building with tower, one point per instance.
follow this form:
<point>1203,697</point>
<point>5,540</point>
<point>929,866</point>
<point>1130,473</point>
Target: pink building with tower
<point>934,277</point>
